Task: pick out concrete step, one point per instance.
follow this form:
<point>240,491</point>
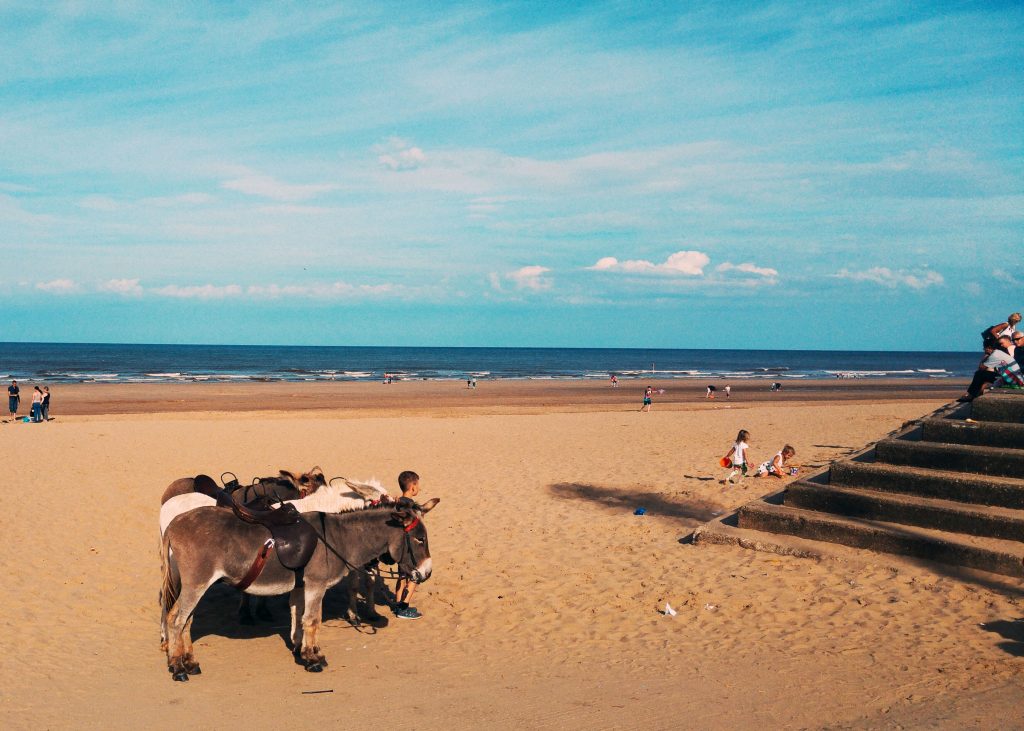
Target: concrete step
<point>988,554</point>
<point>976,433</point>
<point>999,405</point>
<point>945,515</point>
<point>960,486</point>
<point>997,461</point>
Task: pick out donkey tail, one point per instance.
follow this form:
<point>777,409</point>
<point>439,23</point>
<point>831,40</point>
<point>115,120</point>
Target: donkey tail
<point>171,584</point>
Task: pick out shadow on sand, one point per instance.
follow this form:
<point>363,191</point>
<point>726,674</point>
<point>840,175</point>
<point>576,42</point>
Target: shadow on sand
<point>1012,631</point>
<point>620,500</point>
<point>217,614</point>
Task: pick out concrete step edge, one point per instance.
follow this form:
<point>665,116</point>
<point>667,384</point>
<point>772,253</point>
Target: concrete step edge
<point>936,513</point>
<point>988,554</point>
<point>950,447</point>
<point>973,433</point>
<point>897,470</point>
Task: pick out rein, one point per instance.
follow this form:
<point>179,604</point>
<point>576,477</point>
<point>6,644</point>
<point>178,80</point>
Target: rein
<point>391,573</point>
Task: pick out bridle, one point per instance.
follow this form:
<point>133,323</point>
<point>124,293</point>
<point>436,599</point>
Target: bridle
<point>407,549</point>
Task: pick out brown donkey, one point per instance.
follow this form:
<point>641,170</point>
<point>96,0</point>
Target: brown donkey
<point>286,485</point>
<point>207,545</point>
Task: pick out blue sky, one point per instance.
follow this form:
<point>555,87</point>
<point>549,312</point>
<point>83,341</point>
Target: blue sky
<point>752,175</point>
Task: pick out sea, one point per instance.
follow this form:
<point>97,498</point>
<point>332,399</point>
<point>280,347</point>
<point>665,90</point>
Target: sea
<point>112,363</point>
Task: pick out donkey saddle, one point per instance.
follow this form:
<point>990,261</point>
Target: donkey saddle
<point>294,538</point>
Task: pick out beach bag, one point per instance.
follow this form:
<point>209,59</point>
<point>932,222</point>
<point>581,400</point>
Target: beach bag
<point>1010,376</point>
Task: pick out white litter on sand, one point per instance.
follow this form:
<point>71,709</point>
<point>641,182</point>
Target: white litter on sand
<point>669,611</point>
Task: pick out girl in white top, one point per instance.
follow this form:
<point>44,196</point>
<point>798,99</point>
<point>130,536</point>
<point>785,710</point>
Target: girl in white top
<point>737,456</point>
<point>776,465</point>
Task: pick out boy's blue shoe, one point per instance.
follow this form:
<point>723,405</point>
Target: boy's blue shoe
<point>407,613</point>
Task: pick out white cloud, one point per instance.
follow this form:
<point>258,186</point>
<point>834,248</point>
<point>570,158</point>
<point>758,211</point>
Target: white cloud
<point>1001,275</point>
<point>397,154</point>
<point>747,268</point>
<point>265,186</point>
<point>892,279</point>
<point>690,263</point>
<point>183,199</point>
<point>320,290</point>
<point>99,203</point>
<point>203,291</point>
<point>531,278</point>
<point>58,286</point>
<point>125,287</point>
<point>15,188</point>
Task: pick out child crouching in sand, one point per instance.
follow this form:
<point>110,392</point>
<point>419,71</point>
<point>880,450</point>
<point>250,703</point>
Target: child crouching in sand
<point>777,464</point>
<point>736,457</point>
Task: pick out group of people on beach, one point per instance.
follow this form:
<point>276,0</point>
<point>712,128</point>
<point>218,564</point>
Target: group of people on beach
<point>999,367</point>
<point>735,460</point>
<point>40,402</point>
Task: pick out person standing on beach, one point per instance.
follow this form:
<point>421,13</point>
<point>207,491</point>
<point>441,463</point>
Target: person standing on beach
<point>46,403</point>
<point>728,391</point>
<point>13,399</point>
<point>736,457</point>
<point>615,381</point>
<point>648,393</point>
<point>409,484</point>
<point>37,404</point>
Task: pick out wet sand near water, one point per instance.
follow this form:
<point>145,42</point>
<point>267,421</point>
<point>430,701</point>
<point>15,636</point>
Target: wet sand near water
<point>356,398</point>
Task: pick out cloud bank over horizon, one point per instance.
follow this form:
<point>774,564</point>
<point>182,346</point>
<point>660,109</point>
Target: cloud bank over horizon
<point>446,178</point>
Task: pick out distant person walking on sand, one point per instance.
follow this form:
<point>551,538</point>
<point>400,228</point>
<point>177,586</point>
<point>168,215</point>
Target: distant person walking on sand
<point>13,398</point>
<point>37,404</point>
<point>728,391</point>
<point>615,381</point>
<point>473,381</point>
<point>648,393</point>
<point>776,466</point>
<point>736,458</point>
<point>46,403</point>
<point>776,386</point>
<point>711,391</point>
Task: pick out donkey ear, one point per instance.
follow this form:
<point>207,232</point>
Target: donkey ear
<point>205,484</point>
<point>404,517</point>
<point>316,472</point>
<point>367,492</point>
<point>430,505</point>
<point>288,475</point>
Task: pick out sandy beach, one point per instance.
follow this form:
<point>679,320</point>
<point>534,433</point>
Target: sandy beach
<point>544,610</point>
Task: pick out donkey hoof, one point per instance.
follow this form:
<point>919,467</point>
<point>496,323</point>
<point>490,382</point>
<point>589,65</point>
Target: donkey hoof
<point>195,670</point>
<point>314,667</point>
<point>181,675</point>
